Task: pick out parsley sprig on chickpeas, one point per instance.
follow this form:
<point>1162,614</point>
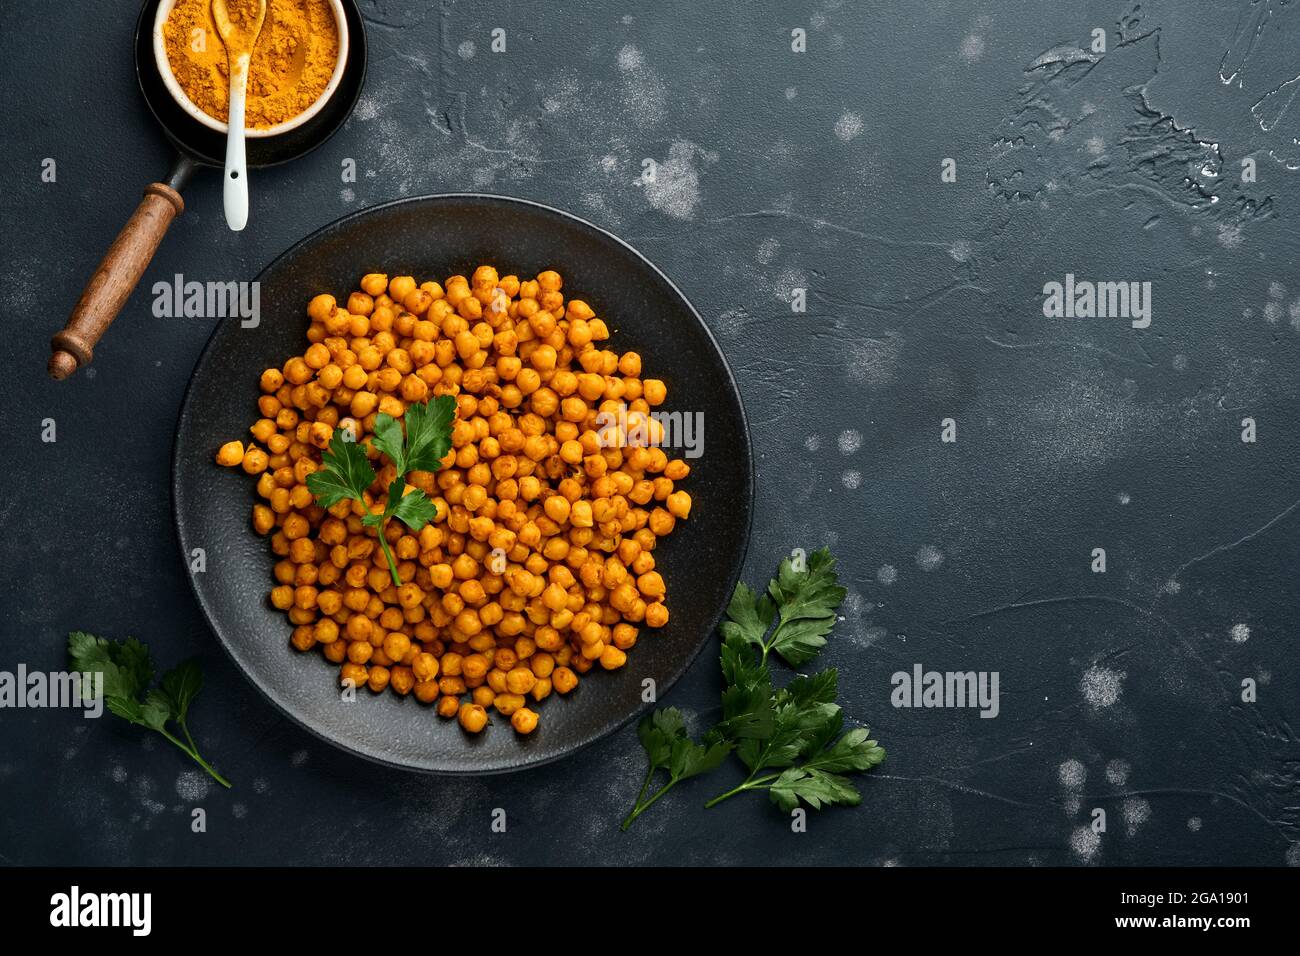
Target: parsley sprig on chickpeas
<point>539,564</point>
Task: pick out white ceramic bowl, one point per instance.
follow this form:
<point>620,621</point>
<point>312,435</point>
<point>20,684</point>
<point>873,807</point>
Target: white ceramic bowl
<point>178,94</point>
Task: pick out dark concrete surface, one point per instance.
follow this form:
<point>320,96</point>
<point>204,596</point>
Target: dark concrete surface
<point>776,171</point>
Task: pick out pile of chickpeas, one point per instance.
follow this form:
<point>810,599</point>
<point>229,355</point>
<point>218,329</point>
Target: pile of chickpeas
<point>540,563</point>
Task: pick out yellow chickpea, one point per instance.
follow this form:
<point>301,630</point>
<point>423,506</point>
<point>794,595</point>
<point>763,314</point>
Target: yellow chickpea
<point>425,667</point>
<point>656,614</point>
<point>523,720</point>
<point>473,718</point>
<point>320,307</point>
<point>507,703</point>
<point>678,504</point>
<point>379,677</point>
<point>230,454</point>
<point>520,680</point>
<point>402,680</point>
<point>564,680</point>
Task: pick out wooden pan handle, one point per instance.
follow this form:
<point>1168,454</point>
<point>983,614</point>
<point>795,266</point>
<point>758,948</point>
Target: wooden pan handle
<point>114,280</point>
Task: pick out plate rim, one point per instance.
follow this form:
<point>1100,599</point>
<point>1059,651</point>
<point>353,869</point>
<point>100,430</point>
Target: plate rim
<point>570,749</point>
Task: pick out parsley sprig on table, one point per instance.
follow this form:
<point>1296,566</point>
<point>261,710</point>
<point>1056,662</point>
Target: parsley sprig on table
<point>346,472</point>
<point>128,671</point>
<point>667,746</point>
<point>791,739</point>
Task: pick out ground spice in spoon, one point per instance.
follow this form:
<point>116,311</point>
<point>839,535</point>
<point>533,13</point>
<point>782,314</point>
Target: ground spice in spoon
<point>291,65</point>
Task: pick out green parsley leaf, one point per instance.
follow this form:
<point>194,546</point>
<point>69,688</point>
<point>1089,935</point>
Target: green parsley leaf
<point>345,472</point>
<point>389,439</point>
<point>808,600</point>
<point>658,731</point>
<point>182,684</point>
<point>749,616</point>
<point>126,665</point>
<point>428,433</point>
<point>851,753</point>
<point>414,510</point>
<point>690,759</point>
<point>128,672</point>
<point>747,699</point>
<point>157,709</point>
<point>817,788</point>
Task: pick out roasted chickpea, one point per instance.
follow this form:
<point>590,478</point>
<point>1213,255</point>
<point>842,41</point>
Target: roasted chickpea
<point>473,718</point>
<point>230,454</point>
<point>523,720</point>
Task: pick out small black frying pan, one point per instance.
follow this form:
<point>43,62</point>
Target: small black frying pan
<point>196,146</point>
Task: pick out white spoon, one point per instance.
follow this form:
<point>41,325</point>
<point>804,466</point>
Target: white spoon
<point>239,38</point>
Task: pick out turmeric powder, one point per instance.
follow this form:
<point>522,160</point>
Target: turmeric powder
<point>292,61</point>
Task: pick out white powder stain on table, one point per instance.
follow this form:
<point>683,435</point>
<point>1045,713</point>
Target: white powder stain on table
<point>630,58</point>
<point>887,574</point>
<point>1136,811</point>
<point>972,48</point>
<point>193,785</point>
<point>676,188</point>
<point>1230,235</point>
<point>786,283</point>
<point>928,557</point>
<point>1117,772</point>
<point>644,93</point>
<point>813,443</point>
<point>1072,774</point>
<point>850,441</point>
<point>367,108</point>
<point>1101,687</point>
<point>1085,843</point>
<point>1240,633</point>
<point>851,479</point>
<point>873,635</point>
<point>849,126</point>
<point>874,362</point>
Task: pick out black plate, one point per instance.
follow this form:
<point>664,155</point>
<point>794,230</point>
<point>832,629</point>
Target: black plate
<point>433,237</point>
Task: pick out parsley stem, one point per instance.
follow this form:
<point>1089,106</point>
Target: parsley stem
<point>194,755</point>
<point>392,564</point>
<point>645,785</point>
<point>750,783</point>
<point>641,808</point>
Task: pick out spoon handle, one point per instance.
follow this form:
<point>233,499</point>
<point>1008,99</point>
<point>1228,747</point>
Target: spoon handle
<point>235,194</point>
